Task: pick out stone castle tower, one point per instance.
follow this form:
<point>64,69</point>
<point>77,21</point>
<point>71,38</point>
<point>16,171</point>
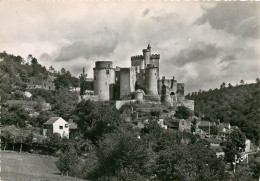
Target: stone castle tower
<point>142,78</point>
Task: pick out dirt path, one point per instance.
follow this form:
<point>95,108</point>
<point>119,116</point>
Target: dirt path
<point>30,167</point>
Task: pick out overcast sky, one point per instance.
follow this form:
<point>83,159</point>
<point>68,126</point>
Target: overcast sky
<point>201,44</point>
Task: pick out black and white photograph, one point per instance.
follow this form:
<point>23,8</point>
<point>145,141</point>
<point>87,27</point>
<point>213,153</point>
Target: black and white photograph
<point>129,90</point>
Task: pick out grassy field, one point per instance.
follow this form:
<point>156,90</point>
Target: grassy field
<point>30,167</point>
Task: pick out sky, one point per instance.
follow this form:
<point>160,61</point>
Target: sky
<point>202,44</point>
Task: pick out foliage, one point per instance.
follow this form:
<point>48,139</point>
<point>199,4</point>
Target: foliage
<point>82,82</point>
<point>96,119</point>
<point>255,168</point>
<point>189,162</point>
<point>14,116</point>
<point>239,106</point>
<point>183,113</point>
<point>238,138</point>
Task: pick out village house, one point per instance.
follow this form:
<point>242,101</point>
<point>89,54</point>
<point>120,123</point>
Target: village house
<point>161,123</point>
<point>185,125</point>
<point>48,84</point>
<point>56,125</point>
<point>33,83</point>
<point>219,151</point>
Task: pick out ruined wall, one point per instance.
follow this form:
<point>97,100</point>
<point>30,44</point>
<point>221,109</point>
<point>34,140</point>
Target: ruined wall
<point>119,103</point>
<point>104,76</point>
<point>170,85</point>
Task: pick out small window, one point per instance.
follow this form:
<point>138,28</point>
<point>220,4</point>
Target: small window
<point>61,127</point>
<point>107,71</point>
<point>182,123</point>
<point>108,65</point>
<point>154,73</point>
<point>66,125</point>
<point>95,78</point>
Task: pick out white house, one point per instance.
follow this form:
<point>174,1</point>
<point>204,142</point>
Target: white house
<point>56,125</point>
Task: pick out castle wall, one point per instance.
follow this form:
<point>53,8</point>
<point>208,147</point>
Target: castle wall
<point>104,76</point>
<point>127,82</point>
<point>140,80</point>
<point>180,89</point>
<point>170,86</point>
<point>151,81</point>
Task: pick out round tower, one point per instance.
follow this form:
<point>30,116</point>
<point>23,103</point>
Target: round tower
<point>147,54</point>
<point>139,95</point>
<point>151,80</point>
<point>104,78</point>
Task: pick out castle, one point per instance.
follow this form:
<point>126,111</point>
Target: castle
<point>140,82</point>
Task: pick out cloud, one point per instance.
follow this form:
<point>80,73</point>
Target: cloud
<point>238,18</point>
<point>196,53</point>
<point>222,44</point>
<point>146,12</point>
<point>100,44</point>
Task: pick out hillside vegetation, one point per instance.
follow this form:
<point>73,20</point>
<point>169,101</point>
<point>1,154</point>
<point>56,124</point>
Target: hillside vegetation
<point>16,76</point>
<point>239,106</point>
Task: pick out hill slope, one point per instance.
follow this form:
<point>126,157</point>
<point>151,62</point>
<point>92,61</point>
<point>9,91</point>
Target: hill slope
<point>238,105</point>
<point>25,166</point>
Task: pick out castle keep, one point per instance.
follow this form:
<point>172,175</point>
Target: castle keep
<point>140,82</point>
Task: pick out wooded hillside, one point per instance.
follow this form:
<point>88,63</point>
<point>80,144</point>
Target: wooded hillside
<point>239,106</point>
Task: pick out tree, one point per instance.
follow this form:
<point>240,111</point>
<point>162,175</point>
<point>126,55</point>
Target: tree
<point>67,161</point>
<point>63,80</point>
<point>257,80</point>
<point>96,119</point>
<point>238,138</point>
<point>52,70</point>
<point>255,168</point>
<point>183,113</point>
<point>189,162</point>
<point>242,82</point>
<point>121,155</point>
<point>82,82</point>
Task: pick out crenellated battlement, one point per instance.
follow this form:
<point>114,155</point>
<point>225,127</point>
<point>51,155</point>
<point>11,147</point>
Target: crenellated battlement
<point>137,57</point>
<point>155,56</point>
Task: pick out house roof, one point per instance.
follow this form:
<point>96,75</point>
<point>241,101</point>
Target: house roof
<point>52,120</point>
<point>217,149</point>
<point>204,123</point>
<point>213,140</point>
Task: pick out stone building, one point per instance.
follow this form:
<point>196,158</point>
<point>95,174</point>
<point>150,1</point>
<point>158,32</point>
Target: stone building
<point>140,81</point>
<point>48,83</point>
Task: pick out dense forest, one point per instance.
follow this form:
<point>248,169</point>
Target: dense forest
<point>238,105</point>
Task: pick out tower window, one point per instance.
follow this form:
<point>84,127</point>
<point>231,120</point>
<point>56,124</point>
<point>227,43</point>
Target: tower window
<point>107,71</point>
<point>154,73</point>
